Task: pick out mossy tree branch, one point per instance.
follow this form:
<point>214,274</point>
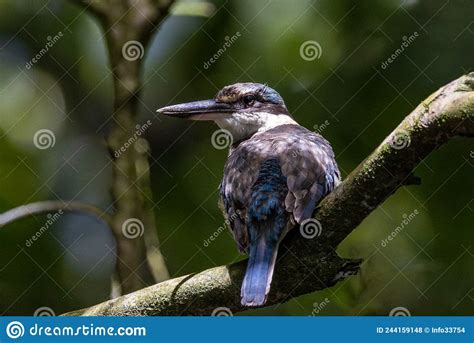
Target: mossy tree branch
<point>307,265</point>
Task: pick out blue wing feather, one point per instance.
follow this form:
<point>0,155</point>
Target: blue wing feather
<point>266,222</point>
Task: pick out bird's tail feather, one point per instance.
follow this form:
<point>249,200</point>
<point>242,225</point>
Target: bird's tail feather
<point>266,222</point>
<point>258,276</point>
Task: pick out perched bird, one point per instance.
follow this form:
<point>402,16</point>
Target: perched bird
<point>276,173</point>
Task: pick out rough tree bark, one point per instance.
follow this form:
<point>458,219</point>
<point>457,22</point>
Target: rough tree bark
<point>307,265</point>
<point>128,26</point>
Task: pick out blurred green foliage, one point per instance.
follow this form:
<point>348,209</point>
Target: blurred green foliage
<point>427,268</point>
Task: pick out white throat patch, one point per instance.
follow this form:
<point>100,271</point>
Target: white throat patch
<point>243,125</point>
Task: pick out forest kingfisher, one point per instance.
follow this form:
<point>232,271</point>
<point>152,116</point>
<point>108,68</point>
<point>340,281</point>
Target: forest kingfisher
<point>276,173</point>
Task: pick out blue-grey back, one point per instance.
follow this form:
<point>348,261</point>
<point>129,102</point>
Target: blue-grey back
<point>306,160</point>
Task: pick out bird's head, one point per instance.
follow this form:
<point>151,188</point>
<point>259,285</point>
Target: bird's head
<point>242,108</point>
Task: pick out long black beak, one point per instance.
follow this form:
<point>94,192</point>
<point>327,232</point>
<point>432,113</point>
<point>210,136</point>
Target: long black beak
<point>198,110</point>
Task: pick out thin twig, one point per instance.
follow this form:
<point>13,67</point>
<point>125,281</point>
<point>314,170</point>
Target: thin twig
<point>43,207</point>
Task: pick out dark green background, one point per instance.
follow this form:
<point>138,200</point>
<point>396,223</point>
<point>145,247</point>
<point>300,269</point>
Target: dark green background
<point>428,268</point>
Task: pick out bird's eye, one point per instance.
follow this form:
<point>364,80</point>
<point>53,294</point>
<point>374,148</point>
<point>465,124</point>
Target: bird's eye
<point>249,100</point>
